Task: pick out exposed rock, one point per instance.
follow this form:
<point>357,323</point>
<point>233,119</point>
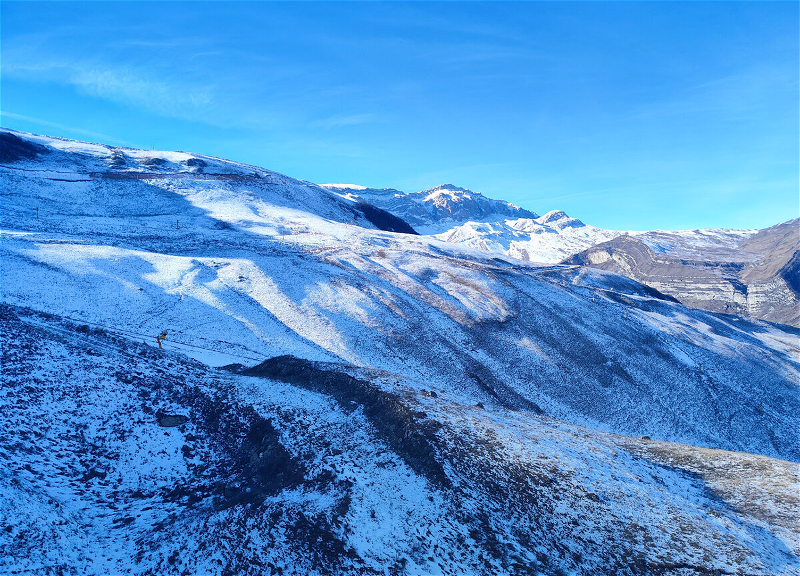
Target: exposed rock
<point>171,420</point>
<point>118,159</point>
<point>408,432</point>
<point>436,209</point>
<point>763,283</point>
<point>384,220</point>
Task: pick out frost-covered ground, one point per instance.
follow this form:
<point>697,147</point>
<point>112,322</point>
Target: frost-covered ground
<point>474,433</point>
<point>120,458</point>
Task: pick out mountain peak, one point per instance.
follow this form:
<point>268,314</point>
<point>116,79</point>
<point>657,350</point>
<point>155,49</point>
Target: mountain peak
<point>436,209</point>
<point>559,219</point>
<point>552,216</point>
<point>449,188</point>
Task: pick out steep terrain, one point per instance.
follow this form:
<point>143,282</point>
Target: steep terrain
<point>743,272</point>
<point>462,216</point>
<point>121,183</point>
<point>758,278</point>
<point>121,458</point>
<point>435,210</point>
<point>394,403</point>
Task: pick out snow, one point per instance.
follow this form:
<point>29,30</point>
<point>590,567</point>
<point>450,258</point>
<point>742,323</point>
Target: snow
<point>712,243</point>
<point>462,216</point>
<point>545,378</point>
<point>344,186</point>
<point>325,291</point>
<point>546,489</point>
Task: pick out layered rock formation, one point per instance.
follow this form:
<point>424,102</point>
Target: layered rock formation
<point>759,277</point>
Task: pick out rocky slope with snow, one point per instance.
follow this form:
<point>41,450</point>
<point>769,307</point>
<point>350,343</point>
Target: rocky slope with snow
<point>436,210</point>
<point>125,459</point>
<point>393,403</point>
<point>758,278</point>
<point>462,216</point>
<point>743,272</point>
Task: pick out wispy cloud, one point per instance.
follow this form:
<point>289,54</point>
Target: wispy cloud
<point>744,95</point>
<point>129,86</point>
<point>342,120</point>
<point>67,129</point>
<point>138,86</point>
<point>190,96</point>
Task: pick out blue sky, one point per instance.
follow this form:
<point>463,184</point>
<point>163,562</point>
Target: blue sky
<point>626,115</point>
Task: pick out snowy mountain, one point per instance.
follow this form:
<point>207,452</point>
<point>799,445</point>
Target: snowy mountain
<point>391,403</point>
<point>436,210</point>
<point>549,238</point>
<point>462,216</point>
<point>712,269</point>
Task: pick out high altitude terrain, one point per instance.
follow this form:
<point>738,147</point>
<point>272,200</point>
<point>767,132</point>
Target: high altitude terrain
<point>745,272</point>
<point>390,403</point>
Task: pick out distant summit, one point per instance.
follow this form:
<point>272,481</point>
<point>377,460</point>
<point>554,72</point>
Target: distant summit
<point>437,209</point>
<point>559,219</point>
<point>461,215</point>
<point>452,188</point>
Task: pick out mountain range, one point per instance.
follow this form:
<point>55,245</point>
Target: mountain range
<point>745,272</point>
<point>337,394</point>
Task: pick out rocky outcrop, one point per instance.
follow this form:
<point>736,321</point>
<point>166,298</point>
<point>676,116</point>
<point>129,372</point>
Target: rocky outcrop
<point>763,282</point>
<point>773,281</point>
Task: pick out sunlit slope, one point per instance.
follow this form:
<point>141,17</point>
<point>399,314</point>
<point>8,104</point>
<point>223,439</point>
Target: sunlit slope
<point>254,272</point>
<point>139,194</point>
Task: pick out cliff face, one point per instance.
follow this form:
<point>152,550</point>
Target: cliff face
<point>760,279</point>
<point>773,291</point>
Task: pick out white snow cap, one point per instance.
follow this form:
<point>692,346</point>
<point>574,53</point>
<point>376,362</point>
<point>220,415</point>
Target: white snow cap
<point>552,216</point>
<point>345,186</point>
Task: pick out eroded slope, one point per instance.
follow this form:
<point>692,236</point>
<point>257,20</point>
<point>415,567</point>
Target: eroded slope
<point>119,457</point>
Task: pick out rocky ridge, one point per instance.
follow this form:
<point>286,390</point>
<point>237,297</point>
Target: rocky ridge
<point>745,272</point>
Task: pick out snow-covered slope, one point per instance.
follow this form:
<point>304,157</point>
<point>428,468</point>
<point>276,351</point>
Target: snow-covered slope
<point>118,458</point>
<point>436,210</point>
<point>549,238</point>
<point>483,392</point>
<point>250,269</point>
<point>124,186</point>
<point>721,270</point>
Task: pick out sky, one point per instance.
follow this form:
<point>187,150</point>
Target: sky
<point>630,115</point>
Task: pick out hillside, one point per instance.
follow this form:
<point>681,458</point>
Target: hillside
<point>393,403</point>
<point>121,458</point>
